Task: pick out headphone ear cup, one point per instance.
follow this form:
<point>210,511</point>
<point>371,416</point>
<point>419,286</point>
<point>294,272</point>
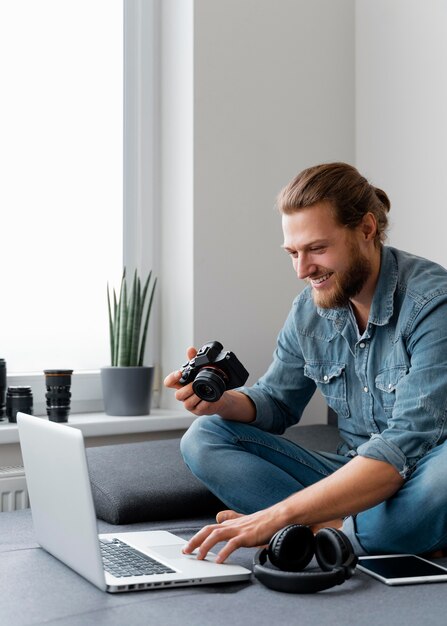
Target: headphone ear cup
<point>333,550</point>
<point>292,548</point>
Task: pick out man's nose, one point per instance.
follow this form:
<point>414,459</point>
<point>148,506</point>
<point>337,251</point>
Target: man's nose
<point>303,267</point>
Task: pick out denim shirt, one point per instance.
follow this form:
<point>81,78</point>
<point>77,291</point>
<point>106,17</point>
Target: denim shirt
<point>388,387</point>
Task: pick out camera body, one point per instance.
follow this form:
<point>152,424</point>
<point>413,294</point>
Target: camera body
<point>212,371</point>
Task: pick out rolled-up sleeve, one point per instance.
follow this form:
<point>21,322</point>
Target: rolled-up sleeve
<point>418,418</point>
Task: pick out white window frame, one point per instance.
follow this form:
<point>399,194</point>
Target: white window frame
<point>140,187</point>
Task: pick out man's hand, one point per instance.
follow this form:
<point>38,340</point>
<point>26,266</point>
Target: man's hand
<point>237,531</point>
<point>356,486</point>
<point>185,393</point>
<point>232,405</point>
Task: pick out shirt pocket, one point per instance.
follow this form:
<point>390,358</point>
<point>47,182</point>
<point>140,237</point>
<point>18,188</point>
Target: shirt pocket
<point>330,379</point>
<point>386,382</point>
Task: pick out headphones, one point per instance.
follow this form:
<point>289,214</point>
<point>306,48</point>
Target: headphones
<point>291,549</point>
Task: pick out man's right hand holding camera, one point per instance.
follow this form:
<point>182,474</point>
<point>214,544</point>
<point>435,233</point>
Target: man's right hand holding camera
<point>232,405</point>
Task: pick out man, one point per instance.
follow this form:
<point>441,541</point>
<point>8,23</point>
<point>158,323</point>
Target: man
<point>370,331</point>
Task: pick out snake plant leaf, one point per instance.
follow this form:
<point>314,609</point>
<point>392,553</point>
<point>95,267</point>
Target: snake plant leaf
<point>123,348</point>
<point>125,320</point>
<point>112,338</point>
<point>115,329</point>
<point>146,285</point>
<point>133,359</point>
<point>143,301</point>
<point>131,313</point>
<point>146,322</point>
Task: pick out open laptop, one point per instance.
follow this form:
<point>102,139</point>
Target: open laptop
<point>65,521</point>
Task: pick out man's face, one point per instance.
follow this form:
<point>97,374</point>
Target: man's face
<point>325,254</point>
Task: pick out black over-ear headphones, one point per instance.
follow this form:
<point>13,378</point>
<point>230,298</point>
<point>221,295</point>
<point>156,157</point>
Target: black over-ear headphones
<point>293,547</point>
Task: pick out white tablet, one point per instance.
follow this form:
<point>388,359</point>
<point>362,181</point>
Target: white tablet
<point>402,569</point>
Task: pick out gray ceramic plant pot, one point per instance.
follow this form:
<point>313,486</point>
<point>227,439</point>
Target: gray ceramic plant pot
<point>127,390</point>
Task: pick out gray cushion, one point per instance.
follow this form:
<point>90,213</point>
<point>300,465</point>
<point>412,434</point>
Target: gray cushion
<point>321,437</point>
<point>141,482</point>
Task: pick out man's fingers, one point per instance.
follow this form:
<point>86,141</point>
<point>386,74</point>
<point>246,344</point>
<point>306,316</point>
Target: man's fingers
<point>218,534</point>
<point>191,352</point>
<point>198,539</point>
<point>210,535</point>
<point>236,531</point>
<point>172,379</point>
<point>229,548</point>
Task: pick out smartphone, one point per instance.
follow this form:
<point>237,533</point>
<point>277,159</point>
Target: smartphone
<point>402,569</point>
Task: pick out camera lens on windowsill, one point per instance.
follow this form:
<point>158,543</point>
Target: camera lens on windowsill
<point>58,395</point>
<point>3,387</point>
<point>18,399</point>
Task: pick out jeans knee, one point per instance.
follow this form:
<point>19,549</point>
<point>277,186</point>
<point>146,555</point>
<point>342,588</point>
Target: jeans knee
<point>188,441</point>
<point>194,442</point>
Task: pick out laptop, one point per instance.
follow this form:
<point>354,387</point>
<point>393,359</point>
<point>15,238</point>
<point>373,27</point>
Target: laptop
<point>65,522</point>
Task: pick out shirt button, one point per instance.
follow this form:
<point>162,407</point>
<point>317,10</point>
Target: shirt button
<point>365,389</point>
<point>362,345</point>
<point>325,377</point>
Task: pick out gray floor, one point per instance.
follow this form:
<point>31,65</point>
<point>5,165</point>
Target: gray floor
<point>37,589</point>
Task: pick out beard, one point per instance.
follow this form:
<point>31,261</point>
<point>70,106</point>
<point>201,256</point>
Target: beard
<point>347,284</point>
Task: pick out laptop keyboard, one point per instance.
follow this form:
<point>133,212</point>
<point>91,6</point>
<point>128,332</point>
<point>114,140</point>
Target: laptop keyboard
<point>122,560</point>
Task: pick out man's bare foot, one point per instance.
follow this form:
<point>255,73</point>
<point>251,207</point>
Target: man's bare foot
<point>223,516</point>
<point>437,554</point>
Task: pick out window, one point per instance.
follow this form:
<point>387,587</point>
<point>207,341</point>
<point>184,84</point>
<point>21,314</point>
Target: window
<point>78,104</point>
<point>61,116</point>
<point>77,126</point>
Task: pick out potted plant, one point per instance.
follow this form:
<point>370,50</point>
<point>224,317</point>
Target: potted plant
<point>127,383</point>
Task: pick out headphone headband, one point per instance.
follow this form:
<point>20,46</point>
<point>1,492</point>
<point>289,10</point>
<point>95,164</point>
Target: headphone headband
<point>333,551</point>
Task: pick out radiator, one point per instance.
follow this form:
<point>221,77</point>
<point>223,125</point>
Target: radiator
<point>13,491</point>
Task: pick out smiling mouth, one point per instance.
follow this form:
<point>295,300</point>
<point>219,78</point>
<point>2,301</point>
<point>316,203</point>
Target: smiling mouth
<point>321,279</point>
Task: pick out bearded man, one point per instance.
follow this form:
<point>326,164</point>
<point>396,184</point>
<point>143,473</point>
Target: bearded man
<point>369,331</point>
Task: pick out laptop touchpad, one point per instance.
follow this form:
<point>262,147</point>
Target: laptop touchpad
<point>174,552</point>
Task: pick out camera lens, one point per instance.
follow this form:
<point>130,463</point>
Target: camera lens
<point>2,388</point>
<point>18,399</point>
<point>58,395</point>
<point>209,384</point>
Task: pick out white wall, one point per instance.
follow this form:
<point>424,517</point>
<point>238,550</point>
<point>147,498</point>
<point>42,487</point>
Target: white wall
<point>257,90</point>
<point>401,105</point>
<point>269,92</point>
<point>175,288</point>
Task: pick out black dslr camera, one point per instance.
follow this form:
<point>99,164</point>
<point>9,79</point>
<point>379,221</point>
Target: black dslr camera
<point>213,372</point>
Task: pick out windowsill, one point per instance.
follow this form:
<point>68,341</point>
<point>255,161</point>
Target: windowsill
<point>100,424</point>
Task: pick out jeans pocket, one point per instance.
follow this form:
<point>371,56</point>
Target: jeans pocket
<point>330,379</point>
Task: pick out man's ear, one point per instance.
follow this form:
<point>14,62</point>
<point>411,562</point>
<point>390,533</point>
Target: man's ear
<point>368,226</point>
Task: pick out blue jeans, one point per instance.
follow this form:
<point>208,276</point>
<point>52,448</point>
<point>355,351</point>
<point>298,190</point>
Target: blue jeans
<point>250,469</point>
